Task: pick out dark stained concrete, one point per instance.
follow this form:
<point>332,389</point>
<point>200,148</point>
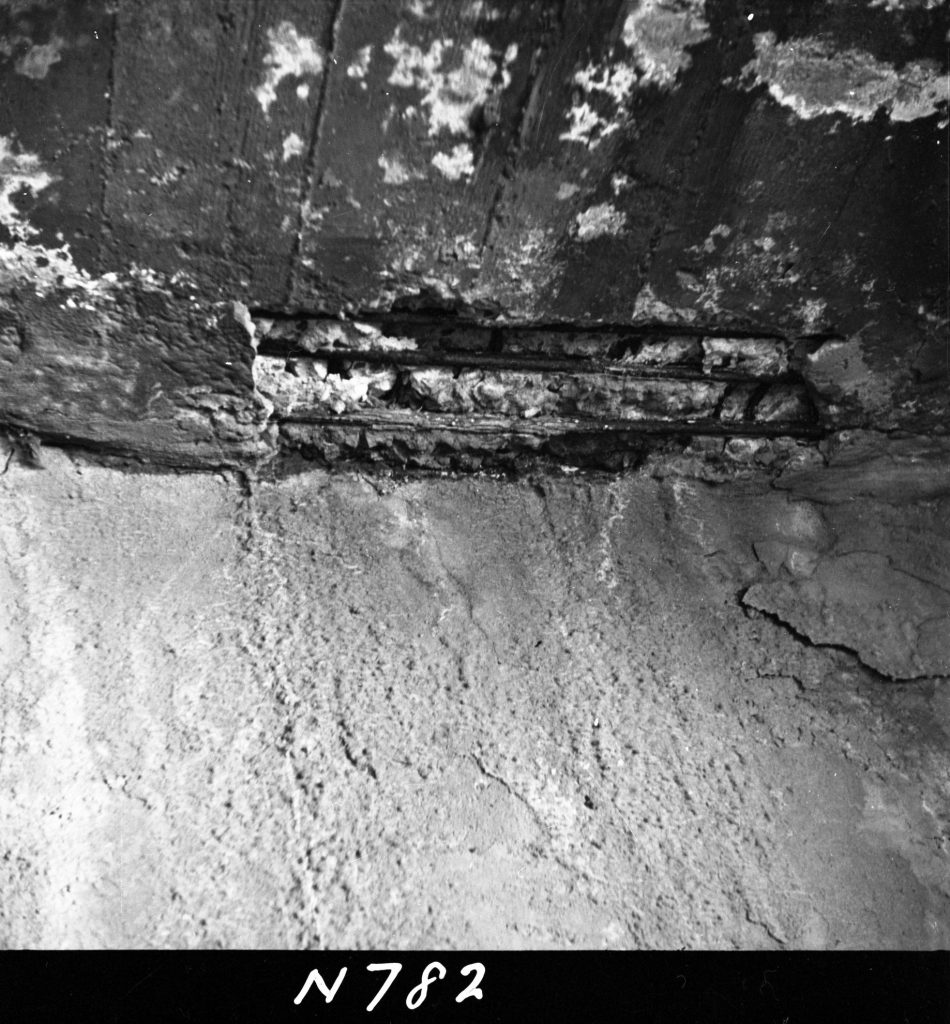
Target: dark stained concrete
<point>779,168</point>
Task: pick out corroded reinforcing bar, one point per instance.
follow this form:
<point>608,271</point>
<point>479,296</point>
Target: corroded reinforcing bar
<point>403,388</point>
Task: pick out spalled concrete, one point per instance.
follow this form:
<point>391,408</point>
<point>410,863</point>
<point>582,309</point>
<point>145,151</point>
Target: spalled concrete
<point>775,170</point>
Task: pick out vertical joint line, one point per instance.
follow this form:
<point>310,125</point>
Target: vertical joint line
<point>310,165</point>
<point>107,159</point>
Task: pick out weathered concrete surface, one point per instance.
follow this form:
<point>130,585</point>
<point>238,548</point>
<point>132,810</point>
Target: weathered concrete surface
<point>331,710</point>
<point>861,556</point>
<point>777,167</point>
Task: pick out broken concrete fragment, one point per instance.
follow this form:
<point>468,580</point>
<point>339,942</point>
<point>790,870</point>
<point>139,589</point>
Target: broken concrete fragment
<point>305,387</point>
<point>666,352</point>
<point>737,402</point>
<point>588,395</point>
<point>327,335</point>
<point>755,356</point>
<point>560,344</point>
<point>440,442</point>
<point>784,402</point>
<point>442,390</point>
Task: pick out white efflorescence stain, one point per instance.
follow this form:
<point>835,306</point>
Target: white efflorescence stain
<point>19,172</point>
<point>812,79</point>
<point>457,164</point>
<point>455,81</point>
<point>395,171</point>
<point>289,55</point>
<point>29,264</point>
<point>567,190</point>
<point>587,126</point>
<point>599,220</point>
<point>658,35</point>
<point>450,96</point>
<point>292,146</point>
<point>614,83</point>
<point>26,262</point>
<point>649,306</point>
<point>478,10</point>
<point>359,68</point>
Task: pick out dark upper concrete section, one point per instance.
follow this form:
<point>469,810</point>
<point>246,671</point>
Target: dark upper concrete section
<point>778,168</point>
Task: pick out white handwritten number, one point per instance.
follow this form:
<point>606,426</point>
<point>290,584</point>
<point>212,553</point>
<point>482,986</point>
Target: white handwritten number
<point>472,990</point>
<point>393,969</point>
<point>415,998</point>
<point>313,978</point>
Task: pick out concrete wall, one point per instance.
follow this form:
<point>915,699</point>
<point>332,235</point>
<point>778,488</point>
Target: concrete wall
<point>767,167</point>
<point>338,711</point>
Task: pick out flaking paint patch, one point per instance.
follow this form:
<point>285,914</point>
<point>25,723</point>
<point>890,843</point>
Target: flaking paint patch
<point>660,32</point>
<point>567,190</point>
<point>46,270</point>
<point>25,263</point>
<point>587,126</point>
<point>289,55</point>
<point>599,220</point>
<point>609,86</point>
<point>457,164</point>
<point>395,171</point>
<point>450,96</point>
<point>811,78</point>
<point>37,61</point>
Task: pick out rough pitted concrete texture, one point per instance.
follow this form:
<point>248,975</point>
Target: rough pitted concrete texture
<point>328,711</point>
